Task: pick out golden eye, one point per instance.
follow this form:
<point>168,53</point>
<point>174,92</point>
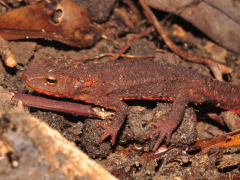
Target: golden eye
<point>51,81</point>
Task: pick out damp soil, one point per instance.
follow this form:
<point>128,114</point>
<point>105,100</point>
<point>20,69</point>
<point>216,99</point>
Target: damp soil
<point>127,158</point>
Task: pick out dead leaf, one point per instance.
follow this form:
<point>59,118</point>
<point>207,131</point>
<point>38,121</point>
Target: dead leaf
<point>178,30</point>
<point>218,19</point>
<point>231,139</point>
<point>43,152</point>
<point>72,25</point>
<point>218,53</point>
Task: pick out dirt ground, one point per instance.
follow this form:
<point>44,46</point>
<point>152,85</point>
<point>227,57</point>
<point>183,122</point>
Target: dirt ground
<point>130,157</point>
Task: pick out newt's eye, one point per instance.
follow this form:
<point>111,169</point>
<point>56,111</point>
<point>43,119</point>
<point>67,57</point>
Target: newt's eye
<point>51,81</point>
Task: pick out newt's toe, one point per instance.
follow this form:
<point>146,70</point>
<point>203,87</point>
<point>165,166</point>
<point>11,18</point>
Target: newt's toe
<point>153,132</point>
<point>157,123</point>
<point>158,142</point>
<point>168,135</point>
<point>110,130</point>
<point>106,134</point>
<point>162,129</point>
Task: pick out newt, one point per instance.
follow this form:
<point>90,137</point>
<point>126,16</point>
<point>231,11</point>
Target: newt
<point>108,84</point>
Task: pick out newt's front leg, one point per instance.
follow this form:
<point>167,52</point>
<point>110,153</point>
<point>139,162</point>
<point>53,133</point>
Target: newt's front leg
<point>121,108</point>
<point>165,129</point>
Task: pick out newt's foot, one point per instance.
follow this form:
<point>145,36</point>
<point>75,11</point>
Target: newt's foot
<point>111,129</point>
<point>163,129</point>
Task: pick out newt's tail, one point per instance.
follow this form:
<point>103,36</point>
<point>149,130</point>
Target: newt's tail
<point>225,95</point>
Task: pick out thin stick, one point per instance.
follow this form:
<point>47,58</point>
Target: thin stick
<point>134,8</point>
<point>214,66</point>
<point>6,54</point>
<point>122,55</point>
<point>60,106</point>
<point>129,43</point>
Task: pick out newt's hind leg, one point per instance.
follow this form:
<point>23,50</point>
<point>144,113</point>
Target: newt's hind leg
<point>165,128</point>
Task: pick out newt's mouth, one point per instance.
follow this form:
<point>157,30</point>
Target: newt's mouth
<point>25,79</point>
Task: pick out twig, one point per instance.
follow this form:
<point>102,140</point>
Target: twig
<point>134,8</point>
<point>6,54</point>
<point>161,50</point>
<point>214,66</point>
<point>109,39</point>
<point>129,43</point>
<point>60,106</point>
<point>122,55</point>
<point>5,5</point>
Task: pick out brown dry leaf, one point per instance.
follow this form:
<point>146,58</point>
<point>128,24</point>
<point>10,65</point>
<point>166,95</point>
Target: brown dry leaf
<point>72,26</point>
<point>217,52</point>
<point>218,19</point>
<point>178,30</point>
<point>224,141</point>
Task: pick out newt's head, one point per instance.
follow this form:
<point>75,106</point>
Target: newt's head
<point>50,77</point>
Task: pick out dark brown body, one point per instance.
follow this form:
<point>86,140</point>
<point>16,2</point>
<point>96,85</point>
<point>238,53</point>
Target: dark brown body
<point>107,84</point>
